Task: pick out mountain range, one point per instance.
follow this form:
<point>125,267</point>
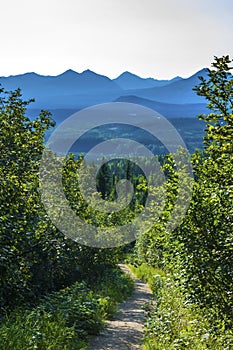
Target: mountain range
<point>72,91</point>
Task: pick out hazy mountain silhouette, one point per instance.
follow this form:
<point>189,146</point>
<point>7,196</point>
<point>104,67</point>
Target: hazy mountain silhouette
<point>73,91</point>
<point>180,91</point>
<point>67,90</point>
<point>168,110</point>
<point>129,81</point>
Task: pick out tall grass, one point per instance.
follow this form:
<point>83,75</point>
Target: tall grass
<point>64,320</point>
<point>174,322</point>
<point>32,330</point>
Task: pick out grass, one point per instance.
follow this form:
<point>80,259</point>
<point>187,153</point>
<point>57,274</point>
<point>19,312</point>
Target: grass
<point>174,322</point>
<point>113,288</point>
<point>31,330</point>
<point>64,320</point>
<point>147,273</point>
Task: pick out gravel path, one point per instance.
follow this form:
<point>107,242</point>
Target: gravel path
<point>125,331</point>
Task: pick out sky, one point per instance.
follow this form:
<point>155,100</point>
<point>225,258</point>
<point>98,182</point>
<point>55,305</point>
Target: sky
<point>151,38</point>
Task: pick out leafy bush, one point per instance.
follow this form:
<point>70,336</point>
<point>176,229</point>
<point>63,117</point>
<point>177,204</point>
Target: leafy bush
<point>35,257</point>
<point>65,319</point>
<point>113,287</point>
<point>176,323</point>
<point>36,330</point>
<point>78,306</point>
<point>149,274</point>
<point>199,251</point>
<point>206,233</point>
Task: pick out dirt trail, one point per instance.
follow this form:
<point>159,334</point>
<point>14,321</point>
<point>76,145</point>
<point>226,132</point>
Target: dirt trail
<point>125,331</point>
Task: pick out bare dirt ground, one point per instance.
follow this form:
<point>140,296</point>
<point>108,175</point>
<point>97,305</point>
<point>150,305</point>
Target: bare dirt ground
<point>125,331</point>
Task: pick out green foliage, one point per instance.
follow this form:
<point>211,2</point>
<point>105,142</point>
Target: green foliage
<point>78,306</point>
<point>65,319</point>
<point>35,258</point>
<point>148,274</point>
<point>199,251</point>
<point>61,321</point>
<point>176,323</point>
<point>156,247</point>
<point>114,287</point>
<point>206,233</point>
<point>33,330</point>
<point>24,235</point>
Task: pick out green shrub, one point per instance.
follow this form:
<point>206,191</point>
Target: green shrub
<point>62,320</point>
<point>78,306</point>
<point>113,287</point>
<point>36,330</point>
<point>176,323</point>
<point>65,319</point>
<point>148,274</point>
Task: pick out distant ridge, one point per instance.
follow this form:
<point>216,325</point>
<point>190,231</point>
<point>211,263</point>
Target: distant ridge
<point>71,90</point>
<point>168,110</point>
<point>128,81</point>
<point>179,91</point>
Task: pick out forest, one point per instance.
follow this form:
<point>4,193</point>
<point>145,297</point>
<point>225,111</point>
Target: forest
<point>55,292</point>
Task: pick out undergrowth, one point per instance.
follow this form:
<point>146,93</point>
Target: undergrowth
<point>114,287</point>
<point>64,320</point>
<point>176,323</point>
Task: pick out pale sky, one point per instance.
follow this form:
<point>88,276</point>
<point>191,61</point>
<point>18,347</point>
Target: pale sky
<point>151,38</point>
